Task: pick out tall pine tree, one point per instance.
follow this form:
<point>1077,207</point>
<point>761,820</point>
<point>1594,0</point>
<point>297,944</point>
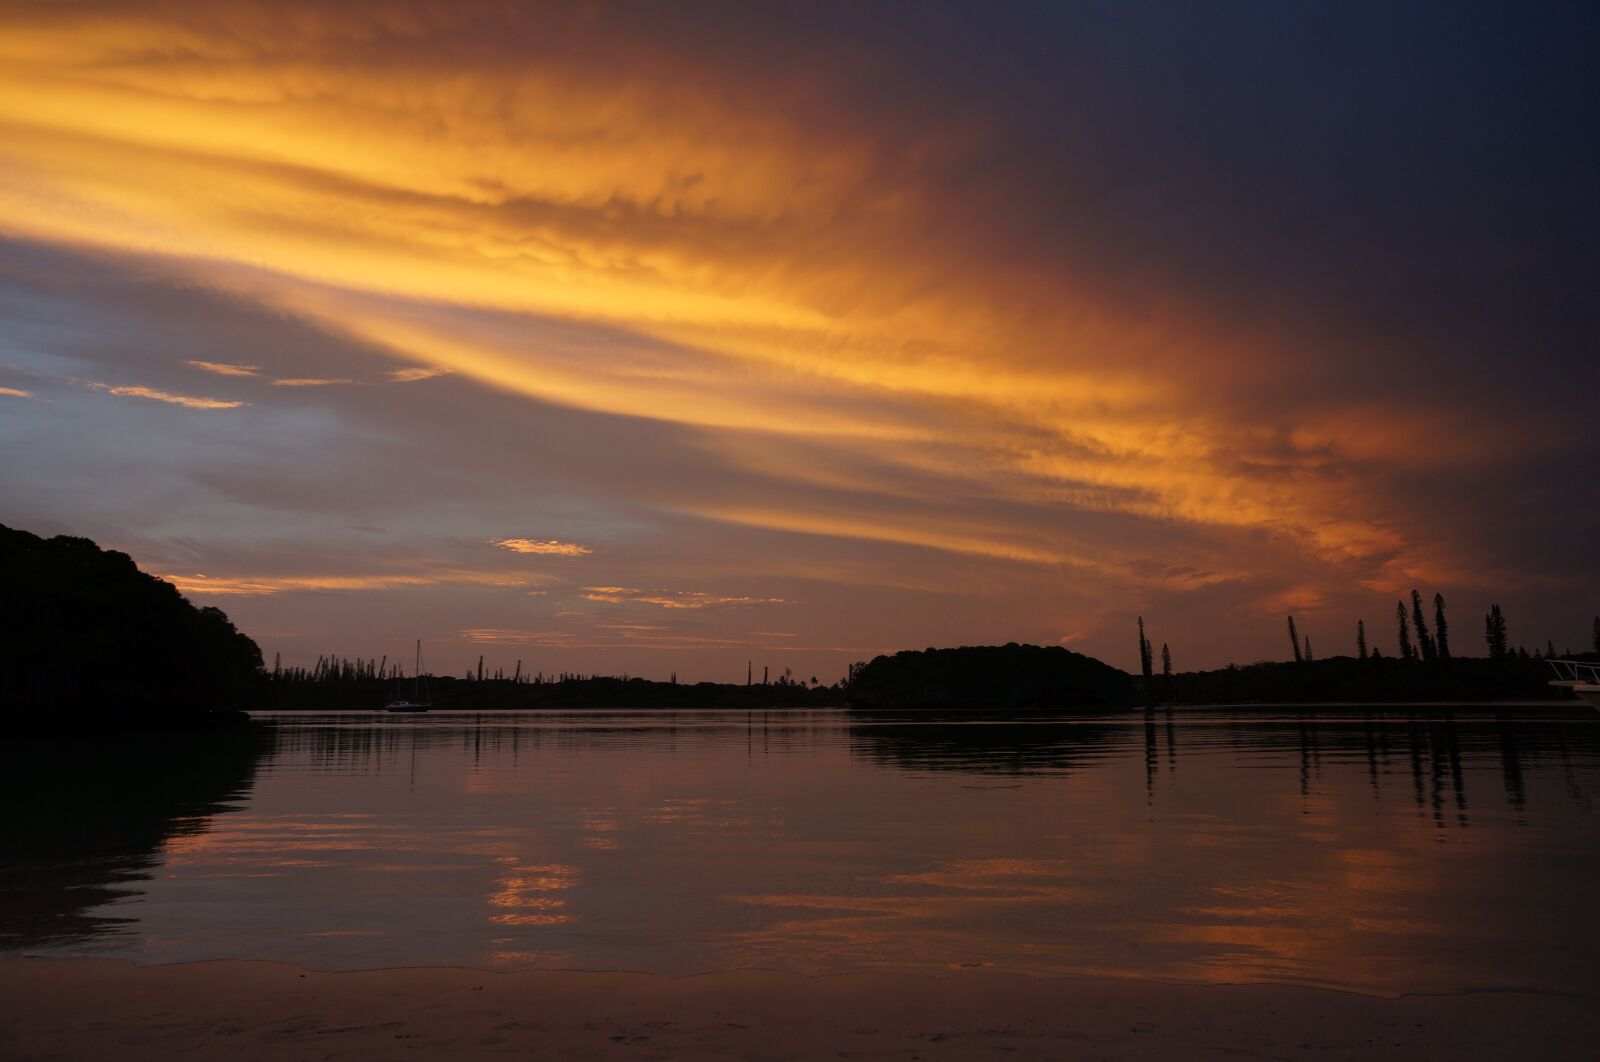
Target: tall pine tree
<point>1406,651</point>
<point>1441,629</point>
<point>1424,641</point>
<point>1494,632</point>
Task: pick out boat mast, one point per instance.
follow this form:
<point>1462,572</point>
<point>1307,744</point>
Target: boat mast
<point>416,675</point>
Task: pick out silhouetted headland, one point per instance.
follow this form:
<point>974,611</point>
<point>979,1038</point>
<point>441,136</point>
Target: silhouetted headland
<point>991,676</point>
<point>91,640</point>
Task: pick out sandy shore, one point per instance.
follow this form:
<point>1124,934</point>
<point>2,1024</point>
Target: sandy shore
<point>91,1008</point>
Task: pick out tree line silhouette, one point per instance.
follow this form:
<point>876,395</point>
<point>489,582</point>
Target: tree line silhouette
<point>90,639</point>
<point>1422,668</point>
<point>339,682</point>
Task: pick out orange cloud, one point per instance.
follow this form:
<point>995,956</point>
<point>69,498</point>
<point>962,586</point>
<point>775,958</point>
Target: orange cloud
<point>221,368</point>
<point>201,585</point>
<point>418,373</point>
<point>758,276</point>
<point>187,401</point>
<point>674,599</point>
<point>548,547</point>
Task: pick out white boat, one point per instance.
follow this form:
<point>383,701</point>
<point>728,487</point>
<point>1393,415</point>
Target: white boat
<point>1580,676</point>
<point>418,701</point>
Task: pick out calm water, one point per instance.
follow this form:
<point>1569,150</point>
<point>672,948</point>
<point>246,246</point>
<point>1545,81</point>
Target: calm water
<point>1378,851</point>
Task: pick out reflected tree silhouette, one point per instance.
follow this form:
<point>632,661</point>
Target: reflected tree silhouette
<point>978,742</point>
<point>86,822</point>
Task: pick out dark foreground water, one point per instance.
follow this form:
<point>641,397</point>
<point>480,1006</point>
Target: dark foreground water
<point>1381,851</point>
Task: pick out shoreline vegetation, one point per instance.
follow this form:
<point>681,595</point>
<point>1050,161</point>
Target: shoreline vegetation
<point>93,643</point>
<point>1016,677</point>
<point>96,643</point>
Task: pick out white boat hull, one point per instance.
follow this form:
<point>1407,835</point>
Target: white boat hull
<point>1581,677</point>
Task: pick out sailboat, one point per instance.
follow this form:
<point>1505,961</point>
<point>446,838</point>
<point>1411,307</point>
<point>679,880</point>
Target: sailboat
<point>418,701</point>
<point>1580,676</point>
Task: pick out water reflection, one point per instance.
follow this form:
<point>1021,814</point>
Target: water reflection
<point>1017,744</point>
<point>1382,850</point>
<point>86,823</point>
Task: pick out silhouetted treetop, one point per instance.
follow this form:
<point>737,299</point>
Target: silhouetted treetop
<point>1494,632</point>
<point>991,676</point>
<point>87,634</point>
<point>1441,627</point>
<point>1403,633</point>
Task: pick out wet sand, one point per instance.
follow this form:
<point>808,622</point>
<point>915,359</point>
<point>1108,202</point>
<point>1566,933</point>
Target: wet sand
<point>88,1008</point>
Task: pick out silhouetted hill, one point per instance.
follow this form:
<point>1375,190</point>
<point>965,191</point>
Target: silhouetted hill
<point>991,676</point>
<point>88,637</point>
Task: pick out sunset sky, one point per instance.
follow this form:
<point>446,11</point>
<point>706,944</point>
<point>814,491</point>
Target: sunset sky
<point>660,338</point>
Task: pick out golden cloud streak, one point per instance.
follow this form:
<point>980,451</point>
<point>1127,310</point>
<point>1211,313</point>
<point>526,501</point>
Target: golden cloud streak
<point>202,585</point>
<point>222,368</point>
<point>769,283</point>
<point>415,374</point>
<point>15,392</point>
<point>674,599</point>
<point>626,638</point>
<point>548,547</point>
<point>187,401</point>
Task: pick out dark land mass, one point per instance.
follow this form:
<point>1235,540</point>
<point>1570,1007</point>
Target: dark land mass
<point>1380,680</point>
<point>991,676</point>
<point>491,694</point>
<point>91,642</point>
<point>1007,677</point>
<point>88,638</point>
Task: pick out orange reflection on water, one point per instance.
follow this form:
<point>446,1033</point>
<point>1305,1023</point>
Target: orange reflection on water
<point>1335,854</point>
<point>522,895</point>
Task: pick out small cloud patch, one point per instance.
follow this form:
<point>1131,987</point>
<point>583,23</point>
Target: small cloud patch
<point>15,392</point>
<point>625,595</point>
<point>421,372</point>
<point>223,368</point>
<point>187,401</point>
<point>549,547</point>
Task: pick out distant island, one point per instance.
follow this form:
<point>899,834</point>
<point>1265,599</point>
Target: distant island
<point>95,641</point>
